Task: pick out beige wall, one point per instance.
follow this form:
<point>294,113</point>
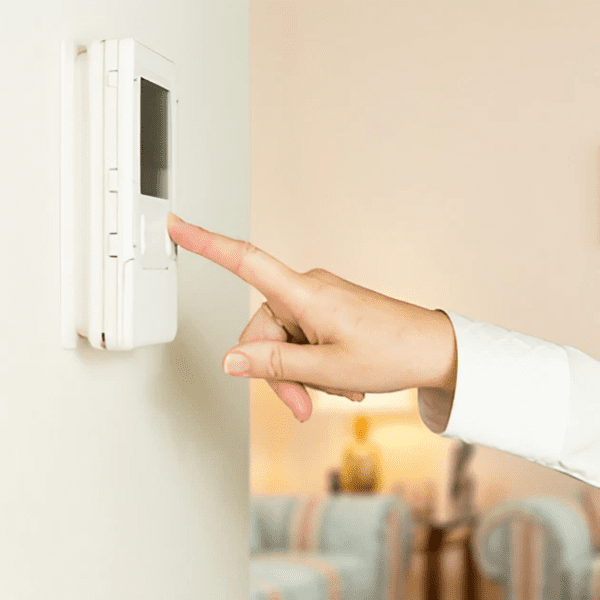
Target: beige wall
<point>444,153</point>
<point>124,475</point>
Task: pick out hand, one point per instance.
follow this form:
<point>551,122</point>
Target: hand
<point>319,331</point>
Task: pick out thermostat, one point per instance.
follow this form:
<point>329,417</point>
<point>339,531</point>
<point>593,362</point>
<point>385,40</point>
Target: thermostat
<point>118,137</point>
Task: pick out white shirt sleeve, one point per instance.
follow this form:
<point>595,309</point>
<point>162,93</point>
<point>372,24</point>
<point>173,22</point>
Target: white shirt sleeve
<point>528,397</point>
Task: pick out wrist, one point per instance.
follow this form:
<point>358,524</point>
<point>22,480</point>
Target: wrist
<point>436,399</point>
<point>445,353</point>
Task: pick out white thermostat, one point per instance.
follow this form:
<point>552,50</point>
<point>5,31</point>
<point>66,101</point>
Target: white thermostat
<point>118,136</point>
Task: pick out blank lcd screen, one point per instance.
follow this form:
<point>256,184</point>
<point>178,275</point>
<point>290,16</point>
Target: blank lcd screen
<point>154,138</point>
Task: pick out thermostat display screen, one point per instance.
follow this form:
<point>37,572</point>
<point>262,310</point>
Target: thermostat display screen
<point>154,138</point>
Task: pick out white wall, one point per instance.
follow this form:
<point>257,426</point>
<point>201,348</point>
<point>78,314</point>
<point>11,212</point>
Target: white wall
<point>123,475</point>
<point>444,153</point>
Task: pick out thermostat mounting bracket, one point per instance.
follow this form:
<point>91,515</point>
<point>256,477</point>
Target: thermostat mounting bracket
<point>118,140</point>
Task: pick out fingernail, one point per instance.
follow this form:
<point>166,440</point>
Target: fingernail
<point>236,364</point>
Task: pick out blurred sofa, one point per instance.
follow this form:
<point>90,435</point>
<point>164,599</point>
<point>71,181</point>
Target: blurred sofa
<point>329,547</point>
<point>536,548</point>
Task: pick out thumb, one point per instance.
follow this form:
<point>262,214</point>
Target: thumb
<point>282,361</point>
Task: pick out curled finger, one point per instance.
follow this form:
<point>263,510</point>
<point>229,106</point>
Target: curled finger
<point>354,396</point>
<point>264,325</point>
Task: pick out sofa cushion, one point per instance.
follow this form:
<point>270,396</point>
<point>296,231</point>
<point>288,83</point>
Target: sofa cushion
<point>357,546</point>
<point>311,576</point>
<point>273,517</point>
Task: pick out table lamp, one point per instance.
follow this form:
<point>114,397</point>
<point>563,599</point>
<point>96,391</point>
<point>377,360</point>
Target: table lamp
<point>361,468</point>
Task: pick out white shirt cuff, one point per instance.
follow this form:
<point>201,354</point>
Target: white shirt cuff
<point>512,391</point>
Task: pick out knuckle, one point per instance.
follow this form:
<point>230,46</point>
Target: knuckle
<point>275,367</point>
<point>318,273</point>
<point>320,281</point>
<point>324,279</point>
<point>247,249</point>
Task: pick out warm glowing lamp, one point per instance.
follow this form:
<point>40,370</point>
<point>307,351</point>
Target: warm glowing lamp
<point>361,468</point>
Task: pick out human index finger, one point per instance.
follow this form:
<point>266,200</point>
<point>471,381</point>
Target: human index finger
<point>261,270</point>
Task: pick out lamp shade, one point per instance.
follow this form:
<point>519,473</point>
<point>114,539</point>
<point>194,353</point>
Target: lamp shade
<point>401,403</point>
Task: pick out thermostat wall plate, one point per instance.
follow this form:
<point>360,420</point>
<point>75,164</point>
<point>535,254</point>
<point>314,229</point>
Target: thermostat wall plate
<point>118,137</point>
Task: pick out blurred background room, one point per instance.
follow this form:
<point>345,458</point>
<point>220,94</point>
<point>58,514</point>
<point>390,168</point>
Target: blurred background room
<point>442,153</point>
